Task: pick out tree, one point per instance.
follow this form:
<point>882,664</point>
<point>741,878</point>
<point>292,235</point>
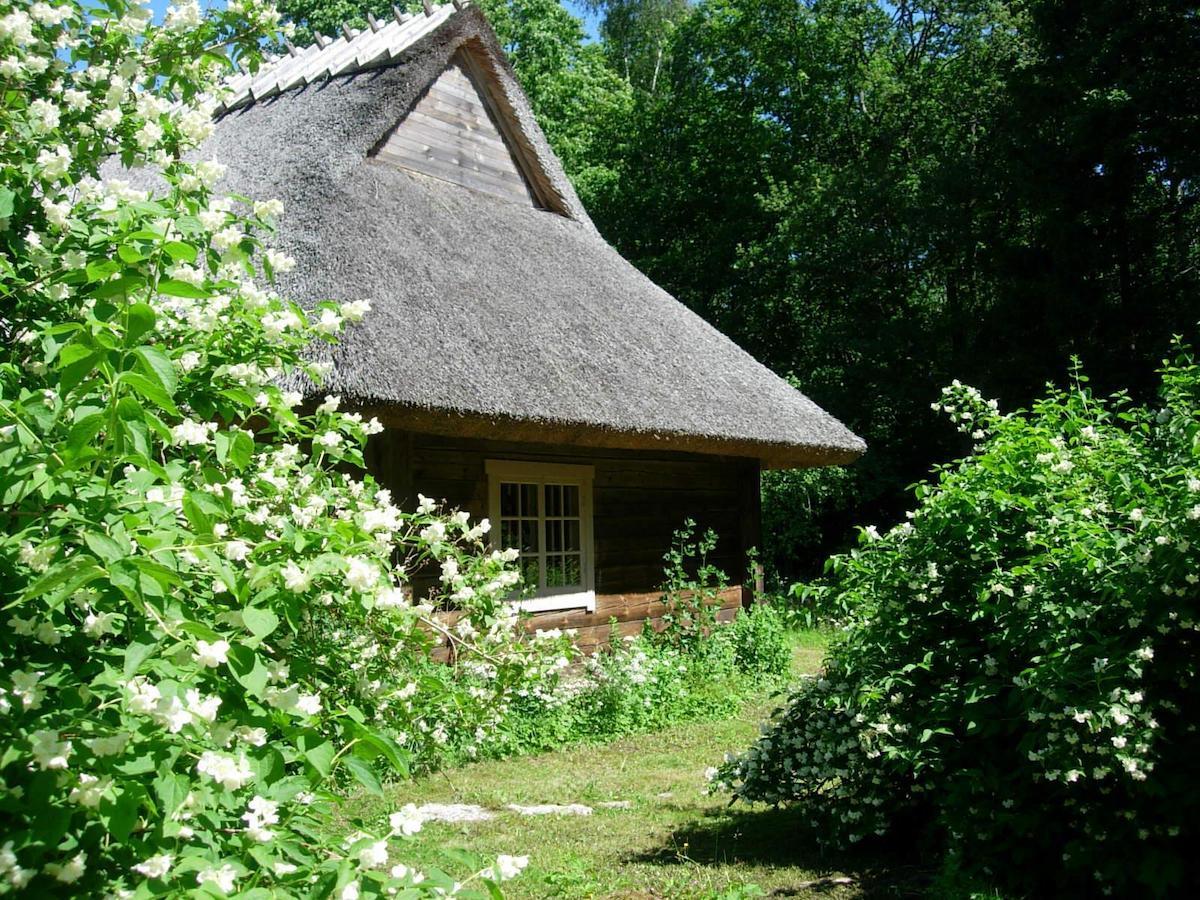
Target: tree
<point>874,198</point>
<point>636,35</point>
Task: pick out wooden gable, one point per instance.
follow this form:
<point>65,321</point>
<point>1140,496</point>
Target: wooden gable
<point>454,133</point>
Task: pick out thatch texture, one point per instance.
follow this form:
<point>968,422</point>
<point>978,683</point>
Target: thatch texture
<point>490,317</point>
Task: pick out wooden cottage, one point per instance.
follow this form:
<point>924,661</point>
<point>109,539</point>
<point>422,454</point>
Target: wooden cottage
<point>526,371</point>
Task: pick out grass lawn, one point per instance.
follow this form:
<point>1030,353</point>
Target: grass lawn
<point>673,841</point>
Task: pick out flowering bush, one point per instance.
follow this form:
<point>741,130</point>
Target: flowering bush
<point>1020,671</point>
<point>180,543</point>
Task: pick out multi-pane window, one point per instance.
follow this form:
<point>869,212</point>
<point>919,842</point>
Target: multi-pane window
<point>544,511</point>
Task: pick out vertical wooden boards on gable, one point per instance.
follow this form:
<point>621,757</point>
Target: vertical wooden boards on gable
<point>451,134</point>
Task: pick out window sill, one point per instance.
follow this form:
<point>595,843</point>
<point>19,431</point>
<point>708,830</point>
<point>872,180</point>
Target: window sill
<point>584,600</point>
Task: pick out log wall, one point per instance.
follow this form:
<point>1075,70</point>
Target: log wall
<point>640,498</point>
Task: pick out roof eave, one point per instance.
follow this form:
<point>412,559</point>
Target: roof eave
<point>468,425</point>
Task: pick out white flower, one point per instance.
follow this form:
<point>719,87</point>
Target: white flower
<point>70,871</point>
<point>75,99</point>
<point>329,322</point>
<point>349,892</point>
<point>192,433</point>
<point>329,440</point>
<point>310,704</point>
<point>237,551</point>
<point>268,209</point>
<point>280,262</point>
<point>45,115</point>
<point>89,790</point>
<point>355,310</point>
<point>1136,515</point>
<point>227,238</point>
<point>407,821</point>
<point>261,813</point>
<point>329,405</point>
<point>53,164</point>
<point>48,751</point>
<point>510,866</point>
<point>17,26</point>
<point>295,578</point>
<point>391,598</point>
<point>224,878</point>
<point>374,855</point>
<point>100,624</point>
<point>109,746</point>
<point>155,866</point>
<point>224,769</point>
<point>212,654</point>
<point>143,696</point>
<point>361,574</point>
<point>148,135</point>
<point>1144,653</point>
<point>110,118</point>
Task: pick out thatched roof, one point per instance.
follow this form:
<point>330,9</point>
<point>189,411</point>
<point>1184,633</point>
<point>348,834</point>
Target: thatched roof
<point>489,317</point>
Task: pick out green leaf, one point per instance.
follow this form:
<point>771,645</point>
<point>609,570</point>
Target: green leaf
<point>150,389</point>
<point>100,269</point>
<point>119,816</point>
<point>6,202</point>
<point>175,288</point>
<point>84,431</point>
<point>317,750</point>
<point>104,546</point>
<point>136,654</point>
<point>141,319</point>
<point>129,254</point>
<point>79,368</point>
<point>364,774</point>
<point>180,252</point>
<point>386,747</point>
<point>248,668</point>
<point>157,364</point>
<point>76,572</point>
<point>259,622</point>
<point>199,520</point>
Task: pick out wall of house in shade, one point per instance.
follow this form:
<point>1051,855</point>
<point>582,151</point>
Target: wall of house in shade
<point>639,498</point>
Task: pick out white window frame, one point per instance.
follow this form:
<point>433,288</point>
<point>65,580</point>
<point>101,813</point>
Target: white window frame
<point>541,474</point>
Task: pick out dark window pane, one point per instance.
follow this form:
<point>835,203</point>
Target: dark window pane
<point>553,500</point>
<point>529,537</point>
<point>510,534</point>
<point>573,570</point>
<point>508,499</point>
<point>553,534</point>
<point>529,571</point>
<point>529,499</point>
<point>570,500</point>
<point>554,571</point>
<point>571,535</point>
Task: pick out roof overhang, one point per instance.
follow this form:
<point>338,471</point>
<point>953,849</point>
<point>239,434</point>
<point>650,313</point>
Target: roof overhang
<point>454,423</point>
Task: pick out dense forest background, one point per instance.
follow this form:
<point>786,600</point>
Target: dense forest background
<point>875,198</point>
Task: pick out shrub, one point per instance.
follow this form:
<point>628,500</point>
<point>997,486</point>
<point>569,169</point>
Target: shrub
<point>694,668</point>
<point>1019,673</point>
<point>759,638</point>
<point>203,604</point>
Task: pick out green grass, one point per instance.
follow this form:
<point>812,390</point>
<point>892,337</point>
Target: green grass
<point>675,841</point>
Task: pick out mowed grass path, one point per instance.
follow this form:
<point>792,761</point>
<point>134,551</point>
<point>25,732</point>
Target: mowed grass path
<point>673,841</point>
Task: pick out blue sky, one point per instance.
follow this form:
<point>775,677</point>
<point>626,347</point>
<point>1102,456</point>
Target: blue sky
<point>159,7</point>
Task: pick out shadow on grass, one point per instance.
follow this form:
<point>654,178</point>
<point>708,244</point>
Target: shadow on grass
<point>778,838</point>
